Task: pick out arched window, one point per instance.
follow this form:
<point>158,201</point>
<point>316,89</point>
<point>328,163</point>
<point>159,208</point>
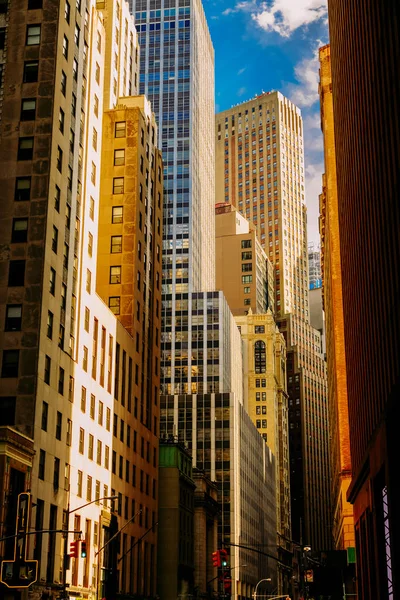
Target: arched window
<point>259,357</point>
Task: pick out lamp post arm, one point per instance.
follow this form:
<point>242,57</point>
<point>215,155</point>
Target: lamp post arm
<point>137,542</point>
<point>118,532</point>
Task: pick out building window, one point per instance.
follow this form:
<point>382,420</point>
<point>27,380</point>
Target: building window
<point>90,244</point>
<point>247,255</point>
<point>88,281</point>
<point>259,357</point>
<point>58,425</point>
<point>77,35</point>
<point>59,159</point>
<point>22,188</point>
<point>79,486</point>
<point>94,139</point>
<point>96,106</point>
<point>75,70</point>
<point>50,320</point>
<point>67,11</point>
<point>42,464</point>
<point>81,440</point>
<point>93,174</point>
<point>116,244</point>
<point>90,448</point>
<point>91,209</point>
<point>120,129</point>
<point>47,368</point>
<point>246,243</point>
<point>33,35</point>
<point>16,273</point>
<point>13,317</point>
<point>247,267</point>
<point>89,489</point>
<point>61,379</point>
<point>65,47</point>
<point>85,359</point>
<point>45,415</point>
<point>118,185</point>
<point>63,83</point>
<point>25,148</point>
<point>117,214</point>
<point>10,363</point>
<point>247,278</point>
<point>68,437</point>
<point>114,304</point>
<point>61,120</point>
<point>119,157</point>
<point>52,282</point>
<point>115,274</point>
<point>259,329</point>
<point>54,240</point>
<point>31,71</point>
<point>19,231</point>
<point>28,109</point>
<point>247,302</point>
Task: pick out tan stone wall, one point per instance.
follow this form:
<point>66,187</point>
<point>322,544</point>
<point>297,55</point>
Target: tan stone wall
<point>343,528</point>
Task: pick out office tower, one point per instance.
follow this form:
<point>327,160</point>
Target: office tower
<point>365,66</point>
<point>260,170</point>
<point>243,271</point>
<point>343,521</point>
<point>314,266</point>
<point>66,378</point>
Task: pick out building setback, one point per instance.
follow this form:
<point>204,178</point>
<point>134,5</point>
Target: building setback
<point>364,52</point>
<point>260,170</point>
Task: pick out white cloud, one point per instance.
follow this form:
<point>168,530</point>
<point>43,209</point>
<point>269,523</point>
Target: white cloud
<point>241,91</point>
<point>241,71</point>
<point>285,16</point>
<point>314,173</point>
<point>304,93</point>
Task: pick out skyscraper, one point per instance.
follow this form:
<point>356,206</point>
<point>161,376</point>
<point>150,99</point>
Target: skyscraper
<point>69,381</point>
<point>260,170</point>
<point>201,351</point>
<point>365,62</point>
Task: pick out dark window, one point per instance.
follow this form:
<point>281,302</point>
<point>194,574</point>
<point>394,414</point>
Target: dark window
<point>25,148</point>
<point>63,83</point>
<point>33,4</point>
<point>50,321</point>
<point>28,109</point>
<point>56,473</point>
<point>13,317</point>
<point>246,243</point>
<point>2,37</point>
<point>259,329</point>
<point>114,304</point>
<point>42,464</point>
<point>259,357</point>
<point>10,363</point>
<point>59,159</point>
<point>52,286</point>
<point>57,198</point>
<point>7,412</point>
<point>117,214</point>
<point>54,240</point>
<point>47,366</point>
<point>31,71</point>
<point>58,425</point>
<point>61,378</point>
<point>45,415</point>
<point>19,230</point>
<point>16,273</point>
<point>22,188</point>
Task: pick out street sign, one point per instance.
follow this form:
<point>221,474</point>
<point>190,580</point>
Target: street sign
<point>20,572</point>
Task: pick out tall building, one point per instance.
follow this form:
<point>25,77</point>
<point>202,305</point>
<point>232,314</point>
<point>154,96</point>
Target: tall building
<point>243,271</point>
<point>343,523</point>
<point>260,170</point>
<point>314,267</point>
<point>365,93</point>
<point>71,373</point>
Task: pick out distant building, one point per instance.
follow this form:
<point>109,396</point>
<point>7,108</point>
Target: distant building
<point>175,550</point>
<point>243,270</point>
<point>314,267</point>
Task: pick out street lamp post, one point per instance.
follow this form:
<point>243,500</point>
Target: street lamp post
<point>258,583</point>
<point>65,557</point>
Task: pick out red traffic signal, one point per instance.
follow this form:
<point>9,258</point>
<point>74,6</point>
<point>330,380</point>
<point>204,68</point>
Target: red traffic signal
<point>83,549</point>
<point>216,558</point>
<point>74,549</point>
<point>224,557</point>
<point>227,585</point>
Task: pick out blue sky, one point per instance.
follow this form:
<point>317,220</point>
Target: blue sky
<point>273,45</point>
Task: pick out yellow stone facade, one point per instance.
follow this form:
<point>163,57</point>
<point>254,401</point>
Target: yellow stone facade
<point>343,524</point>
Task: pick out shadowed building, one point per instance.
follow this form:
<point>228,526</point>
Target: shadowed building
<point>365,62</point>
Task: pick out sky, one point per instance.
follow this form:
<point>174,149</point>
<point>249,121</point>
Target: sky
<point>273,45</point>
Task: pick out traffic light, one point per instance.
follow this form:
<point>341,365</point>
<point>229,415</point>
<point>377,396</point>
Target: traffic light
<point>227,585</point>
<point>74,549</point>
<point>83,549</point>
<point>224,558</point>
<point>216,558</point>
